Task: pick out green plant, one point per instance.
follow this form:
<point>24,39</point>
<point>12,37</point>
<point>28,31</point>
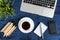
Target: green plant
<point>6,9</point>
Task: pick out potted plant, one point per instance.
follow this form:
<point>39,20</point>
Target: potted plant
<point>6,9</point>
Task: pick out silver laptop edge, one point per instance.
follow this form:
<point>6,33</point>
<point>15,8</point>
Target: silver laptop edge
<point>39,10</point>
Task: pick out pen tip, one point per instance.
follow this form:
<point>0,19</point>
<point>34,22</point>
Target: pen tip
<point>4,35</point>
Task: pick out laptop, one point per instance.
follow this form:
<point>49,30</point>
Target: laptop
<point>44,8</point>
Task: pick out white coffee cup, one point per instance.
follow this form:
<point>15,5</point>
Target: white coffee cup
<point>26,25</point>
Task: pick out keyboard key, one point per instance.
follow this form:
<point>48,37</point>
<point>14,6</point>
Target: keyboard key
<point>44,3</point>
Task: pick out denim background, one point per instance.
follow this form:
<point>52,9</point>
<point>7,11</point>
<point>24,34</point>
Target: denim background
<point>18,35</point>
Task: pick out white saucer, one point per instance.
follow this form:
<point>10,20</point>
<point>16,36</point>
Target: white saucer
<point>26,19</point>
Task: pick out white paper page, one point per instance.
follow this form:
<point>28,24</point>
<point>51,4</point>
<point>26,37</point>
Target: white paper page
<point>37,30</point>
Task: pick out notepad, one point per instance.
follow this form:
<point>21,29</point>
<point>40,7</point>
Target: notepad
<point>38,31</point>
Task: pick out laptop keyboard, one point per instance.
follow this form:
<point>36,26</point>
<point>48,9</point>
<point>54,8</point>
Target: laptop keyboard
<point>44,3</point>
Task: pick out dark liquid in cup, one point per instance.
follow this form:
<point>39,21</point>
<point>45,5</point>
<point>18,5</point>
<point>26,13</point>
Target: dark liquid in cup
<point>26,25</point>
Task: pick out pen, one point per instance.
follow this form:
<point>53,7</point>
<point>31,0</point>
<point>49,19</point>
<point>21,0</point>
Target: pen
<point>41,32</point>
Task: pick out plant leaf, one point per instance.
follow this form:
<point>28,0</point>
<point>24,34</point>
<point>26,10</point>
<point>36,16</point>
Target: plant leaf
<point>5,1</point>
<point>6,9</point>
<point>0,0</point>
